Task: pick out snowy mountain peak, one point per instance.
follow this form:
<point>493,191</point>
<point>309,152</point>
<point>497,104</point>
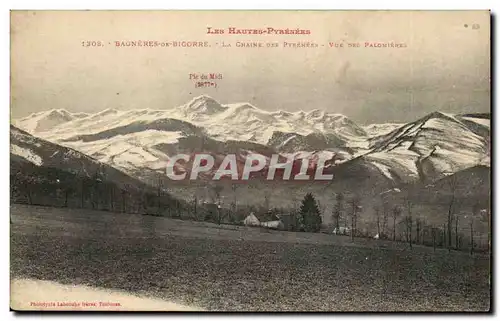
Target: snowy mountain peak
<point>244,106</point>
<point>440,115</point>
<point>59,113</point>
<point>316,113</point>
<point>44,121</point>
<point>242,116</point>
<point>52,113</point>
<point>203,104</point>
<point>239,108</point>
<point>281,113</point>
<point>107,111</point>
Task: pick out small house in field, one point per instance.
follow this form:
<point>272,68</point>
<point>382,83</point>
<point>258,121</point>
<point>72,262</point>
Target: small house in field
<point>276,225</point>
<point>251,220</point>
<point>341,231</point>
<point>267,220</point>
<point>270,220</point>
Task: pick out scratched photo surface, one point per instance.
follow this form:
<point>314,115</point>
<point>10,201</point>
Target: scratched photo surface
<point>250,161</point>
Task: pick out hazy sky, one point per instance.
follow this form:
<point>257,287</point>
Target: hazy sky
<point>444,66</point>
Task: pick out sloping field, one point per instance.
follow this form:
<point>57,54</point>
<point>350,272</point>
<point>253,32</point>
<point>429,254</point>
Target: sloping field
<point>238,268</point>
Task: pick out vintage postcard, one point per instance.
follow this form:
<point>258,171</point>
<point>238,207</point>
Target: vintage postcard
<point>250,161</point>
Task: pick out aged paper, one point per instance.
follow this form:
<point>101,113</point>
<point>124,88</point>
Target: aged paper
<point>250,161</point>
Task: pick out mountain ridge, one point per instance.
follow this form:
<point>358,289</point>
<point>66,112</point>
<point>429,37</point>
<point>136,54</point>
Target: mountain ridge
<point>134,140</point>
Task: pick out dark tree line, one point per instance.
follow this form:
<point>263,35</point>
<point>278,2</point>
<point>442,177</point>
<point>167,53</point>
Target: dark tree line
<point>49,186</point>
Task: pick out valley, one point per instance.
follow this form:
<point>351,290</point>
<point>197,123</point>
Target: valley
<point>364,161</point>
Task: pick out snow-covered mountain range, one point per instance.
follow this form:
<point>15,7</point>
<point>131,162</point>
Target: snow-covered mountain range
<point>241,121</point>
<point>136,141</point>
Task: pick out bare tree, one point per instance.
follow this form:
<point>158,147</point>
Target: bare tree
<point>267,201</point>
<point>177,209</point>
<point>217,190</point>
<point>338,210</point>
<point>159,194</point>
<point>105,187</point>
<point>408,223</point>
<point>143,203</point>
<point>409,208</point>
<point>68,190</point>
<point>214,193</point>
<point>396,212</point>
<point>322,209</point>
<point>434,232</point>
<point>385,217</point>
<point>355,208</point>
<point>234,206</point>
<point>487,218</point>
<point>195,206</point>
<point>82,191</point>
<point>471,234</point>
<point>377,216</point>
<point>475,211</point>
<point>112,198</point>
<point>444,236</point>
<point>418,225</point>
<point>124,192</point>
<point>452,185</point>
<point>27,188</point>
<point>97,181</point>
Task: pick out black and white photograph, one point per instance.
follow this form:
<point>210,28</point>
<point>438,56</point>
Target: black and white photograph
<point>241,161</point>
